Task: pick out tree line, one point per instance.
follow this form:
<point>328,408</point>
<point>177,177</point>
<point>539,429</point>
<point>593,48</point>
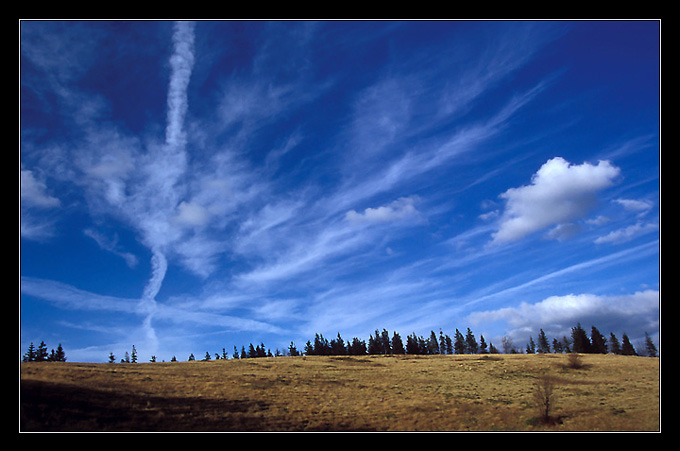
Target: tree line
<point>384,343</point>
<point>40,354</point>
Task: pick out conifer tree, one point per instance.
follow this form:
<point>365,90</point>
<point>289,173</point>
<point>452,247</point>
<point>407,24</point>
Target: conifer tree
<point>649,345</point>
<point>626,347</point>
<point>531,346</point>
<point>60,355</point>
<point>292,350</point>
<point>41,353</point>
<point>482,345</point>
<point>459,343</point>
<point>581,343</point>
<point>397,344</point>
<point>133,359</point>
<point>385,345</point>
<point>432,344</point>
<point>471,345</point>
<point>543,345</point>
<point>112,358</point>
<point>30,354</point>
<point>614,344</point>
<point>597,342</point>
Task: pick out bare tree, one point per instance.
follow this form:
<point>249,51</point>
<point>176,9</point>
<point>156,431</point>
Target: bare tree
<point>544,398</point>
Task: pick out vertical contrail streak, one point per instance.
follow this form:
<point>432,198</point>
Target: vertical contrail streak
<point>181,63</point>
<point>164,174</point>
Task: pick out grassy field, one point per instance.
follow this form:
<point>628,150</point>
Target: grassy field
<point>343,393</point>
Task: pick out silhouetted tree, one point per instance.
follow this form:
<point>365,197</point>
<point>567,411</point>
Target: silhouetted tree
<point>338,346</point>
<point>397,344</point>
<point>649,345</point>
<point>432,344</point>
<point>580,340</point>
<point>459,343</point>
<point>133,358</point>
<point>482,345</point>
<point>626,347</point>
<point>471,345</point>
<point>531,346</point>
<point>112,358</point>
<point>543,345</point>
<point>41,353</point>
<point>598,344</point>
<point>292,350</point>
<point>614,345</point>
<point>30,354</point>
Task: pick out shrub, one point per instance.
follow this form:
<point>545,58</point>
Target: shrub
<point>544,399</point>
<point>574,361</point>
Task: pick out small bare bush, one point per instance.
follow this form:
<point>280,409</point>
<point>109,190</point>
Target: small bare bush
<point>574,361</point>
<point>544,399</point>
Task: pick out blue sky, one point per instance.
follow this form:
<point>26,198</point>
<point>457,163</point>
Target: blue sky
<point>192,186</point>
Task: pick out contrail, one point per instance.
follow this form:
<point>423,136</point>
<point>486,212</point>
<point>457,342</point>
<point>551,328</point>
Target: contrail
<point>163,175</point>
<point>181,62</point>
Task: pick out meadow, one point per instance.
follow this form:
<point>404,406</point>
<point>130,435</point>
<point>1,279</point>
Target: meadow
<point>343,393</point>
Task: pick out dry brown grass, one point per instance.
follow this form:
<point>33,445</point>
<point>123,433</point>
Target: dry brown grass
<point>368,393</point>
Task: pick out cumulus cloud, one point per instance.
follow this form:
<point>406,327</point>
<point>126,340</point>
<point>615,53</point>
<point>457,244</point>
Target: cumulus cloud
<point>191,214</point>
<point>559,193</point>
<point>402,208</point>
<point>559,313</point>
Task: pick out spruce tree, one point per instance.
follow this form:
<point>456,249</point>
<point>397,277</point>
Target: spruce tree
<point>581,343</point>
<point>41,353</point>
<point>482,345</point>
<point>531,346</point>
<point>649,345</point>
<point>385,345</point>
<point>598,342</point>
<point>30,354</point>
<point>133,359</point>
<point>543,345</point>
<point>433,344</point>
<point>397,344</point>
<point>112,358</point>
<point>471,345</point>
<point>60,355</point>
<point>626,347</point>
<point>614,344</point>
<point>412,344</point>
<point>459,343</point>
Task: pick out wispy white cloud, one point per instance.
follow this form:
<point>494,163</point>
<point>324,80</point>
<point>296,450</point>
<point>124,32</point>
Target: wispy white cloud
<point>641,207</point>
<point>111,245</point>
<point>34,192</point>
<point>559,193</point>
<point>627,233</point>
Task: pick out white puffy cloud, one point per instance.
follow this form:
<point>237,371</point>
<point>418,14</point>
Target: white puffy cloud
<point>191,214</point>
<point>402,208</point>
<point>559,313</point>
<point>559,193</point>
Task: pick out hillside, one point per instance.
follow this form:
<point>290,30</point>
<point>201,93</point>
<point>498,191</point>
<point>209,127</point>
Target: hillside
<point>343,393</point>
